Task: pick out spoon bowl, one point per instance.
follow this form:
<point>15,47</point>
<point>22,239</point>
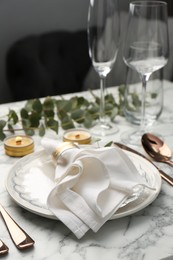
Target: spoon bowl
<point>156,148</point>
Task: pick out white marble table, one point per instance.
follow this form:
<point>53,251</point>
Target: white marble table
<point>145,235</point>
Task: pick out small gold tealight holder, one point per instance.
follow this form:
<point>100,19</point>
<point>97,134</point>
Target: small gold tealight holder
<point>18,145</point>
<point>79,135</point>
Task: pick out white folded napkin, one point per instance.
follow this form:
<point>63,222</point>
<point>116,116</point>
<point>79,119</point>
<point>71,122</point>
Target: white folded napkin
<point>90,185</point>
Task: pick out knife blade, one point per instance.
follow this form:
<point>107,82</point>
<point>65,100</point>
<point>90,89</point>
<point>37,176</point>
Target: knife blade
<point>164,175</point>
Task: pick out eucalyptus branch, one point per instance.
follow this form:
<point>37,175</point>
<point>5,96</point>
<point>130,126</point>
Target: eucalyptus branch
<point>52,113</point>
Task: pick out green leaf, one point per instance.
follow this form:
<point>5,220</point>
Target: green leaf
<point>73,102</point>
<point>135,100</point>
<point>49,113</point>
<point>34,119</point>
<point>30,132</point>
<point>109,99</point>
<point>37,106</point>
<point>10,128</point>
<point>114,113</point>
<point>67,123</point>
<point>153,95</point>
<point>82,102</point>
<point>88,122</point>
<point>24,113</point>
<point>64,105</point>
<point>2,125</point>
<point>78,115</point>
<point>53,124</point>
<point>2,135</point>
<point>29,104</point>
<point>109,144</point>
<point>122,89</point>
<point>94,111</point>
<point>48,104</point>
<point>42,130</point>
<point>26,123</point>
<point>13,117</point>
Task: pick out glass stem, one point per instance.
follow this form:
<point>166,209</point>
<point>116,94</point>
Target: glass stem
<point>144,79</point>
<point>102,100</point>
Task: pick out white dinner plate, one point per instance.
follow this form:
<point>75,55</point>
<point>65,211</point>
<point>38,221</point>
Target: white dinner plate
<point>32,177</point>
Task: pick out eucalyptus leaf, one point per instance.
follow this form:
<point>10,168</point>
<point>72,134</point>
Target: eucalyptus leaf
<point>34,119</point>
<point>74,103</point>
<point>10,128</point>
<point>67,123</point>
<point>88,122</point>
<point>53,124</point>
<point>154,95</point>
<point>42,130</point>
<point>114,113</point>
<point>109,144</point>
<point>2,125</point>
<point>29,104</point>
<point>78,115</point>
<point>49,113</point>
<point>24,113</point>
<point>13,117</point>
<point>83,102</point>
<point>135,100</point>
<point>26,123</point>
<point>48,104</point>
<point>2,135</point>
<point>64,105</point>
<point>94,111</point>
<point>37,106</point>
<point>30,132</point>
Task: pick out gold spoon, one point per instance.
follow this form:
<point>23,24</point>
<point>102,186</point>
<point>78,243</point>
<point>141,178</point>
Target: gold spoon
<point>164,176</point>
<point>156,148</point>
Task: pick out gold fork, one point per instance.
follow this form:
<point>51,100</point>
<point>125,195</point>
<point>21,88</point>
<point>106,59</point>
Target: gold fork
<point>3,248</point>
<point>20,238</point>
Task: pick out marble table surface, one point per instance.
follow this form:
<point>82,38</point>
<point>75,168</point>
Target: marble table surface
<point>145,235</point>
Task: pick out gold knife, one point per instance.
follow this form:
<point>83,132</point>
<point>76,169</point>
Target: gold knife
<point>164,176</point>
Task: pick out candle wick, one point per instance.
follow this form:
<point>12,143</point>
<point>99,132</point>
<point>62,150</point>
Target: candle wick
<point>18,140</point>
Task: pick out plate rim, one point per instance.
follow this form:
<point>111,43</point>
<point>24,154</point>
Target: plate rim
<point>48,214</point>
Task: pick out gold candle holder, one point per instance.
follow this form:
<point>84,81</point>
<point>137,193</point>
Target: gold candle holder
<point>18,145</point>
<point>79,135</point>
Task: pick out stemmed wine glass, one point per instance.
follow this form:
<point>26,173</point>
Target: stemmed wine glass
<point>145,49</point>
<point>103,40</point>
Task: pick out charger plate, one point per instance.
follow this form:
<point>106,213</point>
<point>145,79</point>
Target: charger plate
<point>32,178</point>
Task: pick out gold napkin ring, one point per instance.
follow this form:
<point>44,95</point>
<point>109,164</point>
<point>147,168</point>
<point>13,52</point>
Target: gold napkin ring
<point>65,146</point>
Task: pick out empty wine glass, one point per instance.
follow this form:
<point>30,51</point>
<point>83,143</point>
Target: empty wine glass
<point>145,49</point>
<point>103,40</point>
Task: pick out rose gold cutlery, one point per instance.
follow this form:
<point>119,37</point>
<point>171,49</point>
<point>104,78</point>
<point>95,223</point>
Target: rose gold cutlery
<point>164,176</point>
<point>156,148</point>
<point>3,248</point>
<point>20,238</point>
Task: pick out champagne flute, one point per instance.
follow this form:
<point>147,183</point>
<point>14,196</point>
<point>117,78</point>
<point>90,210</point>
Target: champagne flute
<point>145,49</point>
<point>103,40</point>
